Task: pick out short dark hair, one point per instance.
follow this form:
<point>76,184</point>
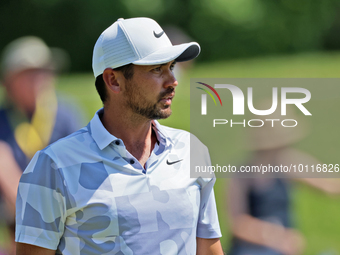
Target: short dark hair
<point>127,71</point>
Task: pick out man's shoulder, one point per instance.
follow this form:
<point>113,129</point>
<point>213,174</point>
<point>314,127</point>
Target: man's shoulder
<point>174,131</point>
<point>183,136</point>
<point>73,142</point>
<point>175,134</point>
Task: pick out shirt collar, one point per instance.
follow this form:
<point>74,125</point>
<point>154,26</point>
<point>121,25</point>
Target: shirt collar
<point>161,134</point>
<point>100,135</point>
<point>103,138</point>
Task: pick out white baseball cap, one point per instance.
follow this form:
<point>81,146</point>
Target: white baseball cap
<point>26,53</point>
<point>140,41</point>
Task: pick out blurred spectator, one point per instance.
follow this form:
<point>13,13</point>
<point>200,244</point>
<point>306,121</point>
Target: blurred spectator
<point>31,116</point>
<point>260,205</point>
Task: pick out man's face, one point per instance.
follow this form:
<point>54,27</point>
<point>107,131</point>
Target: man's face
<point>150,91</point>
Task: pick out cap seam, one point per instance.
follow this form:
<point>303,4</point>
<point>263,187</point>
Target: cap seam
<point>129,38</point>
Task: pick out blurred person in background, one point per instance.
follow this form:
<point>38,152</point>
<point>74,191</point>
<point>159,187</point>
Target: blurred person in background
<point>259,206</point>
<point>31,116</point>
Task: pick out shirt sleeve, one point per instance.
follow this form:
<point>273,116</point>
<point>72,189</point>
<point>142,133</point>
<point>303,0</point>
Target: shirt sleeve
<point>41,204</point>
<point>208,225</point>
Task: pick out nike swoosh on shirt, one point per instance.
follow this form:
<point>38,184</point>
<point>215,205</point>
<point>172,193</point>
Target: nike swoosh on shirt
<point>173,162</point>
<point>158,35</point>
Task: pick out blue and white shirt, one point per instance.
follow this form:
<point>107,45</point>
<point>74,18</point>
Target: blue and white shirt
<point>86,194</point>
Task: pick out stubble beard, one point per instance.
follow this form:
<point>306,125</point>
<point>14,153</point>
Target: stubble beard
<point>152,111</point>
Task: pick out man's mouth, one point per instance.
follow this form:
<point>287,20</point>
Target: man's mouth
<point>167,96</point>
<point>167,99</point>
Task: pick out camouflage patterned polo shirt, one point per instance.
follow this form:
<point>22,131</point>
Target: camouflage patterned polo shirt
<point>86,194</point>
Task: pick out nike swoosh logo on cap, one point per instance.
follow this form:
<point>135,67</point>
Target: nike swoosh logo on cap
<point>158,35</point>
<point>173,162</point>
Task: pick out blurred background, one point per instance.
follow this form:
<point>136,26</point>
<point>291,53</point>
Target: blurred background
<point>239,39</point>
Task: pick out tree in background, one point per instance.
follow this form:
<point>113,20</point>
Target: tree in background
<point>225,29</point>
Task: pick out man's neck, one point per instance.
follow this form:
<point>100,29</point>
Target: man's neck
<point>136,133</point>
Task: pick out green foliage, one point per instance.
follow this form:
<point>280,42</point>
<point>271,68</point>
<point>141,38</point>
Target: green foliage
<point>225,29</point>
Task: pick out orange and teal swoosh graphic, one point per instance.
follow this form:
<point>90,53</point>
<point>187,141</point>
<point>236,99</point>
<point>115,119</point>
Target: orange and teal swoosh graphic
<point>208,92</point>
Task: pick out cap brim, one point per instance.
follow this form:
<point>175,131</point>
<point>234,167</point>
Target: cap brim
<point>180,53</point>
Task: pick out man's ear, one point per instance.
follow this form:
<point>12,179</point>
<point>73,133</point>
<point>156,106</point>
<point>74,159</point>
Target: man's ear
<point>111,79</point>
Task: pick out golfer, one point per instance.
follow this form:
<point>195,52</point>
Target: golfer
<point>121,185</point>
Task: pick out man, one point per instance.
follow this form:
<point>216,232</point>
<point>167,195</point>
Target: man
<point>30,115</point>
<point>122,184</point>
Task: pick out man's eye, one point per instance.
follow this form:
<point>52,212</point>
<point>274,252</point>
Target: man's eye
<point>157,69</point>
<point>172,67</point>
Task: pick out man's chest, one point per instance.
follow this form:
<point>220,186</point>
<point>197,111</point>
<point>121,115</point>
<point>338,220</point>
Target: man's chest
<point>124,203</point>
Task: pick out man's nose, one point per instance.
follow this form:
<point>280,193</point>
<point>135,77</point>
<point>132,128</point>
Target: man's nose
<point>171,80</point>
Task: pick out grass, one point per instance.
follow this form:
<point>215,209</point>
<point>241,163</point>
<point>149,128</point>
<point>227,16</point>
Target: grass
<point>316,214</point>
